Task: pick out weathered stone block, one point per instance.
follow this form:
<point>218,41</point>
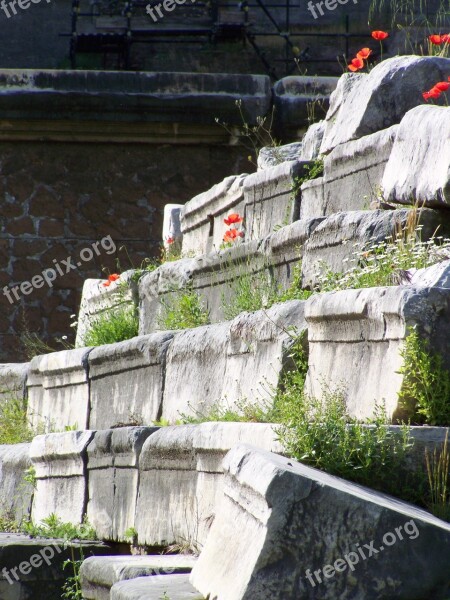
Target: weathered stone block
<point>312,141</point>
<point>271,156</point>
<point>180,475</point>
<point>99,574</point>
<point>195,368</point>
<point>271,199</point>
<point>13,378</point>
<point>58,390</point>
<point>363,104</point>
<point>15,493</point>
<point>202,217</point>
<point>421,175</point>
<point>362,331</point>
<point>258,345</point>
<point>352,176</point>
<point>286,531</point>
<point>175,587</point>
<point>127,381</point>
<point>61,477</point>
<point>332,244</point>
<point>285,248</point>
<point>113,458</point>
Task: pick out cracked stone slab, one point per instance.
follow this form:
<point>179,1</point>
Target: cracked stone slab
<point>113,478</point>
<point>158,587</point>
<point>126,381</point>
<point>61,478</point>
<point>418,169</point>
<point>99,574</point>
<point>58,390</point>
<point>279,522</point>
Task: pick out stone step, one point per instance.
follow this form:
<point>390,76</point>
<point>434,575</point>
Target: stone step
<point>137,381</point>
<point>99,574</point>
<point>159,587</point>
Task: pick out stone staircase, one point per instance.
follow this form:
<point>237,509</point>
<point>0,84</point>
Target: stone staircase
<point>225,489</point>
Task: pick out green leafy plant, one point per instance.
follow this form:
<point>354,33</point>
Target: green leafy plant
<point>183,310</point>
<point>312,171</point>
<point>425,393</point>
<point>71,589</point>
<point>115,325</point>
<point>29,476</point>
<point>53,527</point>
<point>243,411</point>
<point>9,524</point>
<point>248,291</point>
<point>319,432</point>
<point>131,535</point>
<point>295,290</point>
<point>14,425</point>
<point>438,469</point>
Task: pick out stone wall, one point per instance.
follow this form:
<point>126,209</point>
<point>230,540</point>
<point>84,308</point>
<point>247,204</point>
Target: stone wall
<point>59,198</point>
<point>87,155</point>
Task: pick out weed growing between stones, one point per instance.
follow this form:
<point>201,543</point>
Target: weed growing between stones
<point>312,171</point>
<point>183,310</point>
<point>295,290</point>
<point>256,291</point>
<point>425,393</point>
<point>385,263</point>
<point>248,292</point>
<point>52,527</point>
<point>14,425</point>
<point>254,137</point>
<point>8,523</point>
<point>115,325</point>
<point>71,589</point>
<point>243,411</point>
<point>438,469</point>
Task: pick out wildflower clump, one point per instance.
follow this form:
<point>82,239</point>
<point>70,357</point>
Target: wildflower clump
<point>385,263</point>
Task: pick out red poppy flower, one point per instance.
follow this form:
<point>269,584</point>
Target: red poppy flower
<point>170,240</point>
<point>433,93</point>
<point>231,235</point>
<point>442,86</point>
<point>233,218</point>
<point>356,64</point>
<point>379,35</point>
<point>436,39</point>
<point>106,284</point>
<point>445,38</point>
<point>364,53</point>
<point>113,277</point>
